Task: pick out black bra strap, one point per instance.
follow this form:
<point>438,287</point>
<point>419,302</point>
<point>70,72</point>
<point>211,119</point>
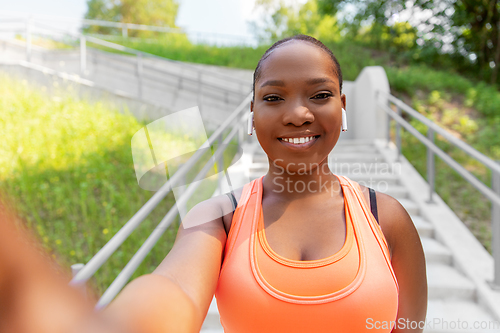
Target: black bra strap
<point>233,200</point>
<point>373,203</point>
<point>234,203</point>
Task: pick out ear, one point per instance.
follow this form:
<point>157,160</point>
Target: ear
<point>342,98</point>
<point>251,106</point>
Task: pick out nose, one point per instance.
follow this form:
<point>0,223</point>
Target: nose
<point>298,114</point>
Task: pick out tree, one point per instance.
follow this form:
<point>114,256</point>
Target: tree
<point>291,20</point>
<point>149,12</point>
<point>466,30</point>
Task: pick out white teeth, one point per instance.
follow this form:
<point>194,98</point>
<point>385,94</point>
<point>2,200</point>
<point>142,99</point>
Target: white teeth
<point>298,140</point>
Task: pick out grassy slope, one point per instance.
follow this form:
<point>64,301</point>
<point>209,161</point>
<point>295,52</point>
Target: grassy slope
<point>66,167</point>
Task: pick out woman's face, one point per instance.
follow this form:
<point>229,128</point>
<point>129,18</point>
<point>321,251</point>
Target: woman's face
<point>297,96</point>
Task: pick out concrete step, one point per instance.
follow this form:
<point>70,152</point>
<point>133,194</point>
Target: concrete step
<point>260,158</point>
<point>359,148</point>
<point>395,191</point>
<point>424,228</point>
<point>447,316</point>
<point>436,252</point>
<point>445,282</point>
<point>212,320</point>
<point>259,167</point>
<point>410,206</point>
<point>382,168</point>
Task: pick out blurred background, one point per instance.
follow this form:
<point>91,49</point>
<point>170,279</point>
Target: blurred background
<point>65,161</point>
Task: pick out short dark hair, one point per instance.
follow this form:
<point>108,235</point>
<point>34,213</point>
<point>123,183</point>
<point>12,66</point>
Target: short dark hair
<point>304,38</point>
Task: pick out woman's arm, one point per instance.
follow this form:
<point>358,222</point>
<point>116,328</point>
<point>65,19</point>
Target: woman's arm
<point>177,295</point>
<point>408,262</point>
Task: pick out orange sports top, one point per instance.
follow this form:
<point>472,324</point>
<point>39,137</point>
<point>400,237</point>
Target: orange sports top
<point>261,291</point>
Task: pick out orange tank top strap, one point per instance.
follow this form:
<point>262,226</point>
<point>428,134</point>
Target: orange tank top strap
<point>374,225</point>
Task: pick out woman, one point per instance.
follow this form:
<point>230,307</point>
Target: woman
<point>303,253</point>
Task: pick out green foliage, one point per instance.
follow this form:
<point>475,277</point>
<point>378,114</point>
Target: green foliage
<point>149,12</point>
<point>468,203</point>
<point>456,30</point>
<point>66,166</point>
<point>289,21</point>
<point>398,37</point>
<point>483,97</point>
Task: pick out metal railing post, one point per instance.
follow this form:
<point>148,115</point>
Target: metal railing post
<point>182,206</point>
<point>398,134</point>
<point>75,268</point>
<point>28,39</point>
<point>199,93</point>
<point>241,135</point>
<point>139,75</point>
<point>83,55</point>
<point>124,30</point>
<point>431,166</point>
<point>220,164</point>
<point>388,125</point>
<point>495,227</point>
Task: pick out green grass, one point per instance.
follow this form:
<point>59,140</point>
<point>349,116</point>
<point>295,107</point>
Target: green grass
<point>178,47</point>
<point>49,43</point>
<point>66,167</point>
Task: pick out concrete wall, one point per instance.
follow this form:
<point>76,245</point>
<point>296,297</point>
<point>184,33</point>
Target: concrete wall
<point>369,122</point>
<point>168,86</point>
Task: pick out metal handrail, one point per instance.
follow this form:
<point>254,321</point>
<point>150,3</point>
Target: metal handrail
<point>122,25</point>
<point>493,193</point>
<point>122,48</point>
<point>195,74</point>
<point>441,131</point>
<point>110,247</point>
<point>131,26</point>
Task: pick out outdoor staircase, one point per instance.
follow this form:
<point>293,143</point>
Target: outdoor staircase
<point>452,296</point>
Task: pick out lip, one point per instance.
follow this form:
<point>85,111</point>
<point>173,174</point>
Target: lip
<point>299,146</point>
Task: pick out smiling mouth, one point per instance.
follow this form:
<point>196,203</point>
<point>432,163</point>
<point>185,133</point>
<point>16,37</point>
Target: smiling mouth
<point>299,141</point>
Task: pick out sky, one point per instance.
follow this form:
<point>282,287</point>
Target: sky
<point>214,16</point>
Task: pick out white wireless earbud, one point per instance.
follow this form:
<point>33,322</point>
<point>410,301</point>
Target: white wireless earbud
<point>344,120</point>
<point>250,124</point>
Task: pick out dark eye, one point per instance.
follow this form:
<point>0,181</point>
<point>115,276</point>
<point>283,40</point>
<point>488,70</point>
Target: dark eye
<point>324,95</point>
<point>272,98</point>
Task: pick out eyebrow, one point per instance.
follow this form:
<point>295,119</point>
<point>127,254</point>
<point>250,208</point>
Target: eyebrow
<point>280,83</point>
